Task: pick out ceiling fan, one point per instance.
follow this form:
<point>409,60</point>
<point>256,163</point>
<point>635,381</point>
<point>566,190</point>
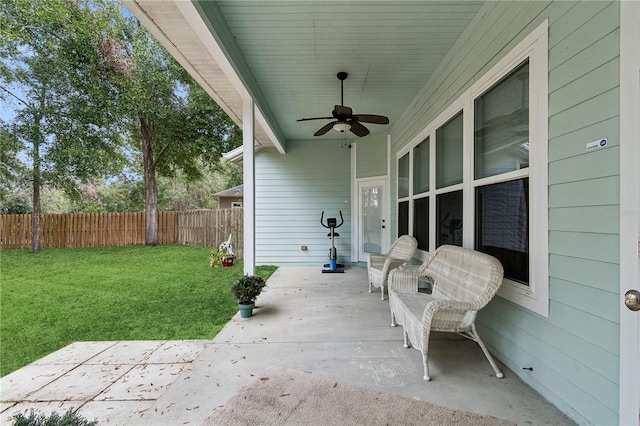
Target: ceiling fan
<point>345,118</point>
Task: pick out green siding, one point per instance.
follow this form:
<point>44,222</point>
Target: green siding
<point>574,143</point>
<point>291,192</point>
<point>371,156</point>
<point>575,351</point>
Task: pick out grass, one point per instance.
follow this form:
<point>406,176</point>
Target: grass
<point>60,296</point>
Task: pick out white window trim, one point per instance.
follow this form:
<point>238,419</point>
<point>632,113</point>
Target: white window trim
<point>535,296</point>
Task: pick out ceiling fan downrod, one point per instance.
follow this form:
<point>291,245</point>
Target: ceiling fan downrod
<point>342,76</point>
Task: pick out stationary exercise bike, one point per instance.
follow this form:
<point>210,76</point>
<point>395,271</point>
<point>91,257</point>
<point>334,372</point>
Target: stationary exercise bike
<point>333,267</point>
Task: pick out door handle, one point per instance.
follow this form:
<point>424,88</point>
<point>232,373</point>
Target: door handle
<point>632,300</point>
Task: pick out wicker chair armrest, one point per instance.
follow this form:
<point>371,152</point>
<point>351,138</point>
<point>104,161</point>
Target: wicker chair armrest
<point>453,306</point>
<point>404,280</point>
<point>376,260</point>
<point>392,263</point>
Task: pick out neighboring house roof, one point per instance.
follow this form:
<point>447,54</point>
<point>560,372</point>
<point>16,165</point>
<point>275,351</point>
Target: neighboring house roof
<point>235,192</point>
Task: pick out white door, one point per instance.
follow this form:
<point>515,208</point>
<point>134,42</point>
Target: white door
<point>372,223</point>
<point>629,213</point>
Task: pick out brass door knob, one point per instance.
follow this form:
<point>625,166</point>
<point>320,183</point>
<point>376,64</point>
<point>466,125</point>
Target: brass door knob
<point>632,300</point>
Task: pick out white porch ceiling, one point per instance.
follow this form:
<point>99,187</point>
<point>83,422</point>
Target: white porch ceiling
<point>287,54</point>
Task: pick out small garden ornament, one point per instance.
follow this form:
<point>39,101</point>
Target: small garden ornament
<point>245,290</point>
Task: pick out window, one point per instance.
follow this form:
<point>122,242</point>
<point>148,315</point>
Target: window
<point>449,153</point>
<point>502,226</point>
<point>421,222</point>
<point>236,205</point>
<point>403,177</point>
<point>476,176</point>
<point>502,125</point>
<point>449,218</point>
<point>403,218</point>
<point>501,129</point>
<point>421,167</point>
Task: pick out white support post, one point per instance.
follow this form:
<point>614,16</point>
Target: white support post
<point>249,182</point>
<point>629,212</point>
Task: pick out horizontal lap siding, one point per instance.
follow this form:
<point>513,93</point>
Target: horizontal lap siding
<point>292,190</point>
<point>575,352</point>
<point>371,158</point>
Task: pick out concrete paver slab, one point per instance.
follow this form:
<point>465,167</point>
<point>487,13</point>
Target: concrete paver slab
<point>27,380</point>
<point>81,384</point>
<point>75,353</point>
<point>116,412</point>
<point>177,351</point>
<point>143,382</point>
<point>127,352</point>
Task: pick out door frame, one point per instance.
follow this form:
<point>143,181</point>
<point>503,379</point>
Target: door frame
<point>629,214</point>
<point>375,180</point>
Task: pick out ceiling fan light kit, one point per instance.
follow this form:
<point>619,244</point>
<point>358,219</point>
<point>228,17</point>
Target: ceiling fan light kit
<point>345,118</point>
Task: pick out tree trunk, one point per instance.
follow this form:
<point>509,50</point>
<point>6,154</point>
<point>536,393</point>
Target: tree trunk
<point>35,214</point>
<point>150,187</point>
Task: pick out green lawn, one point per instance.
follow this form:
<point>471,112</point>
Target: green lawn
<point>60,296</point>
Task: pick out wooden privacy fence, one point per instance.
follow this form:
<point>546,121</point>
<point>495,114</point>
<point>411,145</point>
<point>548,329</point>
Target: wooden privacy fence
<point>207,228</point>
<point>84,230</point>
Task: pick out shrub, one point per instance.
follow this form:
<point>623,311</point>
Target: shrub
<point>68,419</point>
<point>246,289</point>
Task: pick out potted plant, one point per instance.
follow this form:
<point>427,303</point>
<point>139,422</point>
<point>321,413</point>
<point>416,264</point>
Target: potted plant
<point>245,290</point>
<point>219,257</point>
<point>227,261</point>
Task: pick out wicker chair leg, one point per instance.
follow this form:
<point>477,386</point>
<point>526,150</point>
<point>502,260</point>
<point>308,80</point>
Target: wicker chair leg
<point>393,320</point>
<point>382,290</point>
<point>407,343</point>
<point>478,340</point>
<point>369,286</point>
<point>425,363</point>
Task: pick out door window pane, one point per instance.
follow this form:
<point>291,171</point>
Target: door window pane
<point>403,176</point>
<point>371,219</point>
<point>449,218</point>
<point>449,153</point>
<point>421,222</point>
<point>502,125</point>
<point>421,167</point>
<point>403,218</point>
<point>502,226</point>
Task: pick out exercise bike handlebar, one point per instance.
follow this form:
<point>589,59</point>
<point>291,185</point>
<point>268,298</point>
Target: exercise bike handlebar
<point>327,226</point>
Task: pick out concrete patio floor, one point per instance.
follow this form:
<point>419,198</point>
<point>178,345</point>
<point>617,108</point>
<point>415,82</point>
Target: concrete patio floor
<point>325,324</point>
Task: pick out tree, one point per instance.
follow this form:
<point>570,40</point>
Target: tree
<point>176,124</point>
<point>86,77</point>
<point>11,170</point>
<point>54,73</point>
<point>232,174</point>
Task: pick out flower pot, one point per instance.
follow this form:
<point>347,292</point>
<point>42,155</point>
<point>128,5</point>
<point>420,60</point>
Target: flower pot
<point>246,310</point>
<point>227,262</point>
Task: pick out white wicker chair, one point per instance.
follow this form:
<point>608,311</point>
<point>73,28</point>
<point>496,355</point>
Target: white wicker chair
<point>379,265</point>
<point>464,281</point>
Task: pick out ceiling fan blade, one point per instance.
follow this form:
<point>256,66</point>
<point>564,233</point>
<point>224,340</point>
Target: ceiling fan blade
<point>371,118</point>
<point>358,129</point>
<point>343,111</point>
<point>324,129</point>
<point>316,118</point>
